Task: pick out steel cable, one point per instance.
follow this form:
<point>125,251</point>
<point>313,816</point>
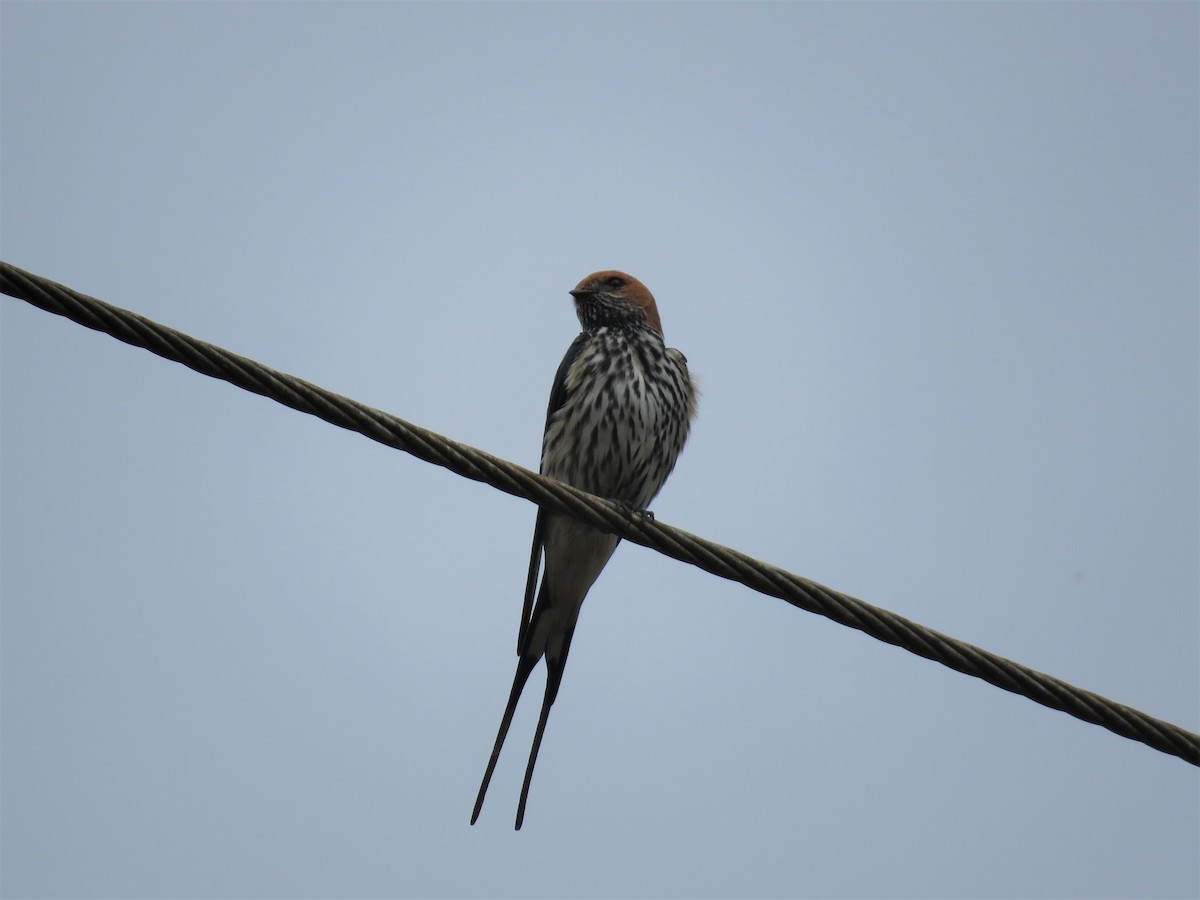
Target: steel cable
<point>649,532</point>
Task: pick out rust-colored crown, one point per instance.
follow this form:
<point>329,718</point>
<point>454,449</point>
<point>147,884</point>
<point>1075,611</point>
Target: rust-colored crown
<point>617,284</point>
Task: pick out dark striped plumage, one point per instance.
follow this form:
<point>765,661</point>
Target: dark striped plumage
<point>619,415</point>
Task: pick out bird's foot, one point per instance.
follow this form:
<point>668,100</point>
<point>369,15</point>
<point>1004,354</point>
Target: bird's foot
<point>632,511</point>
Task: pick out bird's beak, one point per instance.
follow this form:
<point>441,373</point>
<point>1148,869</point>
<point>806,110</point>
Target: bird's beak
<point>580,294</point>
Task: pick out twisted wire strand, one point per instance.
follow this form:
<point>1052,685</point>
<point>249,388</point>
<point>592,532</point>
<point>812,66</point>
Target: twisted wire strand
<point>603,514</point>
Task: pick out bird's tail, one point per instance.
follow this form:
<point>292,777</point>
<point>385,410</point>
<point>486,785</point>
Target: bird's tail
<point>556,662</point>
<point>524,667</point>
<point>554,673</point>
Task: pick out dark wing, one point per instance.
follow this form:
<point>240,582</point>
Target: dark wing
<point>558,397</point>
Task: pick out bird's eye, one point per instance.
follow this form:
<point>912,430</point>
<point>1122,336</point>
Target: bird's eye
<point>616,282</point>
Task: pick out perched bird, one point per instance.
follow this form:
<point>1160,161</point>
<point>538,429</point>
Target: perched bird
<point>620,410</point>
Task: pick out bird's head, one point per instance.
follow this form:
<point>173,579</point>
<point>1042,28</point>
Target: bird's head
<point>614,298</point>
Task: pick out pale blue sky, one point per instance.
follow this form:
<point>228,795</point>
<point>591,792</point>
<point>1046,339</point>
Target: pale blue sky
<point>936,268</point>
